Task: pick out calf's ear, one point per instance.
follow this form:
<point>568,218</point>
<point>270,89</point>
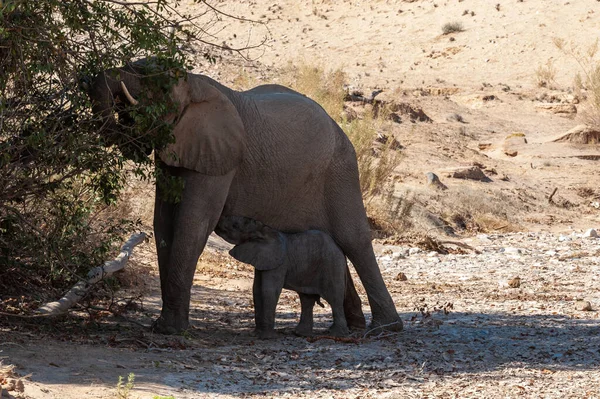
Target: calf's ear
<point>264,254</point>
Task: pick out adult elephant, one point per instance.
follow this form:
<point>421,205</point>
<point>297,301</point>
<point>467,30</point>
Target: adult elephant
<point>269,154</point>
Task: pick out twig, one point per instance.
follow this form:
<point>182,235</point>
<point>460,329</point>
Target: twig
<point>552,195</point>
<point>380,327</point>
<point>12,343</point>
<point>462,245</point>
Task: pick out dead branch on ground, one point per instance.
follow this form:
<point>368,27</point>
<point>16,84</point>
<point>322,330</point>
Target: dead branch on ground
<point>80,289</point>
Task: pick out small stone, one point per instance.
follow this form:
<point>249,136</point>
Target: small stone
<point>401,277</point>
<point>483,237</point>
<point>398,256</point>
<point>413,251</point>
<point>551,253</point>
<point>349,114</point>
<point>512,143</point>
<point>14,385</point>
<point>563,238</point>
<point>467,172</point>
<point>434,181</point>
<point>584,306</point>
<point>433,322</point>
<point>515,282</point>
<point>581,134</point>
<point>591,233</point>
<point>561,109</point>
<point>511,251</point>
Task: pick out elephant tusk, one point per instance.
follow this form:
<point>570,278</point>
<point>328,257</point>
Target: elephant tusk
<point>129,97</point>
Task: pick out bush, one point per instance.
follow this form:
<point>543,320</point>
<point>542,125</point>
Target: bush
<point>589,64</point>
<point>58,180</point>
<point>452,27</point>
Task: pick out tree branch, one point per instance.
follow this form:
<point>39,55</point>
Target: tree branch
<point>80,289</point>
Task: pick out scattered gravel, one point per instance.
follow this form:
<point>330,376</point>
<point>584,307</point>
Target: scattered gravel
<point>470,331</point>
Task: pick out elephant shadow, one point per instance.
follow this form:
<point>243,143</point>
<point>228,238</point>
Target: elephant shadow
<point>457,345</point>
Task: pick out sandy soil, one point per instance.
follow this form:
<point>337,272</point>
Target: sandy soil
<point>468,332</point>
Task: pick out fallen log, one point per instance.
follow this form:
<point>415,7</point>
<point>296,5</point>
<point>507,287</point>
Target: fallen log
<point>80,289</point>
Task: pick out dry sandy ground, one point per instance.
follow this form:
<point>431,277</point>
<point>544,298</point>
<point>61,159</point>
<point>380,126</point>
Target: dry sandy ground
<point>467,333</point>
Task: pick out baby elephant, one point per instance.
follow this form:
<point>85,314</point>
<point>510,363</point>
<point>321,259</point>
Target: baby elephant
<point>309,263</point>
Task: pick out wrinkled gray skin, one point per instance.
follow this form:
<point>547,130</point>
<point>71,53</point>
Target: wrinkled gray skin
<point>258,154</point>
<point>309,263</point>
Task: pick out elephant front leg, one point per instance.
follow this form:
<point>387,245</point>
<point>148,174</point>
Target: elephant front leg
<point>182,231</point>
<point>339,328</point>
<point>265,291</point>
<point>305,326</point>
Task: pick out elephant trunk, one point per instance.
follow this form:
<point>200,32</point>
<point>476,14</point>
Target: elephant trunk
<point>112,92</point>
<point>103,92</point>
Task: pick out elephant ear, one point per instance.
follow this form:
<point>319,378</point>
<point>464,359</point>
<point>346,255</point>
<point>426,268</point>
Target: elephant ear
<point>209,134</point>
<point>264,254</point>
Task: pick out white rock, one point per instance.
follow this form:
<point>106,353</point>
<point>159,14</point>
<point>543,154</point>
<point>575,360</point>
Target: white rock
<point>551,253</point>
<point>484,238</point>
<point>563,238</point>
<point>414,251</point>
<point>398,256</point>
<point>583,306</point>
<point>591,233</point>
<point>511,250</point>
<point>432,253</point>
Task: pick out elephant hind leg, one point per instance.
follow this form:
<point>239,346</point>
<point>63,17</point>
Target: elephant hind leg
<point>305,326</point>
<point>353,305</point>
<point>384,312</point>
<point>350,229</point>
<point>339,328</point>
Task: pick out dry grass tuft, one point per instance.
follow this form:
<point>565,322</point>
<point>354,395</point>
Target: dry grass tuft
<point>375,166</point>
<point>452,27</point>
<point>391,216</point>
<point>464,209</point>
<point>545,75</point>
<point>477,212</point>
<point>244,81</point>
<point>589,63</point>
<point>325,87</point>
